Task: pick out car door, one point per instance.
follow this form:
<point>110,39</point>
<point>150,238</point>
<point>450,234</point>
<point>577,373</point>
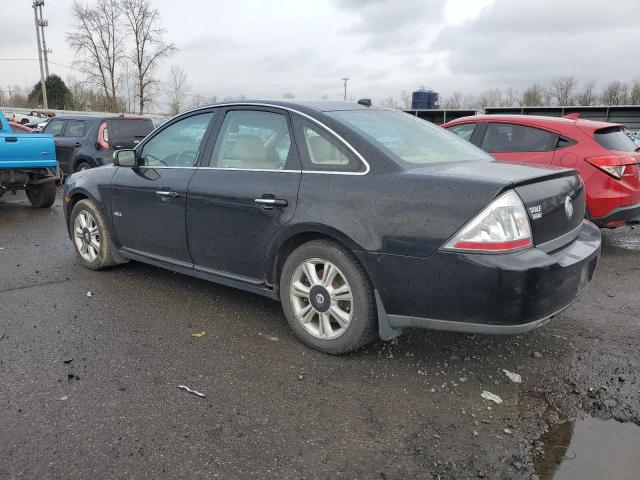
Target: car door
<point>148,201</point>
<point>56,128</point>
<point>519,143</point>
<point>245,190</point>
<point>69,143</point>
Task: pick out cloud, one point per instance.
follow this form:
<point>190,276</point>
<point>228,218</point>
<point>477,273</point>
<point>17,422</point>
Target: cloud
<point>515,44</point>
<point>392,24</point>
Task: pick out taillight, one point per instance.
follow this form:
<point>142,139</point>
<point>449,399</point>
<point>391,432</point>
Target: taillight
<point>502,226</point>
<point>614,165</point>
<point>103,136</point>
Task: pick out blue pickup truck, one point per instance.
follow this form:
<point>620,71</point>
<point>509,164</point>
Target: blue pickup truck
<point>28,162</point>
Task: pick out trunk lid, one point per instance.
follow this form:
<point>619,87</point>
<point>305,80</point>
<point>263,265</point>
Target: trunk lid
<point>556,206</point>
<point>543,190</point>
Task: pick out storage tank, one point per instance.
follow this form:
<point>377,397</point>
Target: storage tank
<point>424,99</point>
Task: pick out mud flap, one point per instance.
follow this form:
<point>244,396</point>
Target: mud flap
<point>385,330</point>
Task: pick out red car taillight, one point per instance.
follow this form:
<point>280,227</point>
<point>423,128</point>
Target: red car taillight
<point>614,165</point>
<point>103,136</point>
<point>502,226</point>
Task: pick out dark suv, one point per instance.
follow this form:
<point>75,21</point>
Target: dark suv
<point>84,141</point>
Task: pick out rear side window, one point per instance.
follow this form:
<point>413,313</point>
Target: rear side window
<point>54,127</point>
<point>252,140</point>
<point>614,138</point>
<point>464,131</point>
<point>323,153</point>
<point>75,128</point>
<point>120,128</point>
<point>508,137</point>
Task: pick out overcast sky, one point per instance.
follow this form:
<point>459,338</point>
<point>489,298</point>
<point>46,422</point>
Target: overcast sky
<point>265,48</point>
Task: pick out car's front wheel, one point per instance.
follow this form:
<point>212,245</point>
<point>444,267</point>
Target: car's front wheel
<point>327,298</point>
<point>91,236</point>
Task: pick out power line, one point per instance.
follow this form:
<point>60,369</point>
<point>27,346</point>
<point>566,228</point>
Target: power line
<point>35,60</point>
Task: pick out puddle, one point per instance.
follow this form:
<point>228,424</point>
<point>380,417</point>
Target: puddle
<point>590,449</point>
<point>622,237</point>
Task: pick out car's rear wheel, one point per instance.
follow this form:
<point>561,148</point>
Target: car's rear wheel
<point>327,298</point>
<point>42,195</point>
<point>91,236</point>
<point>83,166</point>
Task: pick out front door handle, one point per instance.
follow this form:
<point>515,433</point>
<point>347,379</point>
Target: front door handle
<point>166,194</point>
<point>11,139</point>
<point>270,202</point>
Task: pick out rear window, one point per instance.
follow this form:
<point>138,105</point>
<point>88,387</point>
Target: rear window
<point>410,141</point>
<point>120,128</point>
<point>614,138</point>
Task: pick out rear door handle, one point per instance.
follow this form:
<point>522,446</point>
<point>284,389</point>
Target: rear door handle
<point>77,144</point>
<point>270,202</point>
<point>162,193</point>
<point>11,139</point>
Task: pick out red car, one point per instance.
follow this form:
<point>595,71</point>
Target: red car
<point>607,159</point>
<point>19,128</point>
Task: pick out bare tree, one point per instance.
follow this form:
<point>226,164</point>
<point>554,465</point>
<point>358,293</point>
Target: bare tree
<point>532,96</point>
<point>390,103</point>
<point>489,98</point>
<point>405,98</point>
<point>98,38</point>
<point>615,93</point>
<point>586,95</point>
<point>562,90</point>
<point>288,95</point>
<point>177,88</point>
<point>634,92</point>
<point>508,98</point>
<point>453,102</point>
<point>201,100</point>
<point>145,26</point>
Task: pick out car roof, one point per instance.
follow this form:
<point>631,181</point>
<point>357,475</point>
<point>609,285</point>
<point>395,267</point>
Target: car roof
<point>303,105</point>
<point>539,120</point>
<point>95,117</point>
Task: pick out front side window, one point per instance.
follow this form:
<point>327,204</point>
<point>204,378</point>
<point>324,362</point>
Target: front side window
<point>252,140</point>
<point>509,137</point>
<point>178,144</point>
<point>410,141</point>
<point>54,127</point>
<point>75,128</point>
<point>464,131</point>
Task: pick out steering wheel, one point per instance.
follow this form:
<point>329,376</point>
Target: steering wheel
<point>186,158</point>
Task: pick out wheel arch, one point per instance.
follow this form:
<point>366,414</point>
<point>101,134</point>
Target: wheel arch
<point>289,239</point>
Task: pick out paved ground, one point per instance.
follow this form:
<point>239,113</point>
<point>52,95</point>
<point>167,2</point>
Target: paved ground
<point>273,408</point>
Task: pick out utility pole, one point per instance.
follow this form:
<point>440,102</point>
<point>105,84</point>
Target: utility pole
<point>44,23</point>
<point>345,80</point>
<point>36,4</point>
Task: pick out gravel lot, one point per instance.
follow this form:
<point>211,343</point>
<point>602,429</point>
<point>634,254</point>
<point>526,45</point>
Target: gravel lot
<point>89,383</point>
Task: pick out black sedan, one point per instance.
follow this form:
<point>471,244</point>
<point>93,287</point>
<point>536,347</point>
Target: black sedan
<point>362,221</point>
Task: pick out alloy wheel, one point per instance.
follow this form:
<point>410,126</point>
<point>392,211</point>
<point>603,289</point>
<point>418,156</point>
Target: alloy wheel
<point>86,236</point>
<point>322,299</point>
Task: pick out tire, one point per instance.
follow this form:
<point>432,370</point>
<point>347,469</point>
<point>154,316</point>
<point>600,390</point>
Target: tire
<point>42,195</point>
<point>90,256</point>
<point>83,166</point>
<point>346,274</point>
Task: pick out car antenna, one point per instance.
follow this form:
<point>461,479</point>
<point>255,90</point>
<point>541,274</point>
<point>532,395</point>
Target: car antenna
<point>365,101</point>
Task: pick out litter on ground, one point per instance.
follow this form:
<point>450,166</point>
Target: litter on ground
<point>514,377</point>
<point>191,391</point>
<point>491,396</point>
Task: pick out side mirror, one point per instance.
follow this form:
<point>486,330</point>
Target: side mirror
<point>125,158</point>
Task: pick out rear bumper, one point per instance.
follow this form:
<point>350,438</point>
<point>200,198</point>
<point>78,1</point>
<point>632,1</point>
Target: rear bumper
<point>620,216</point>
<point>480,293</point>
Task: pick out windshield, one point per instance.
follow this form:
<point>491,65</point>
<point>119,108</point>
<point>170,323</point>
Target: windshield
<point>411,141</point>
